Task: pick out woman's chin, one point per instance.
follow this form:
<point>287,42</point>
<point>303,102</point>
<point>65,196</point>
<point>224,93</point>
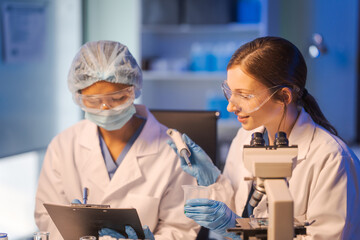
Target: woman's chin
<point>249,126</point>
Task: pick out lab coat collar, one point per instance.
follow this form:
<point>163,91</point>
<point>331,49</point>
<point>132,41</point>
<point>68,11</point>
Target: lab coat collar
<point>87,135</point>
<point>302,134</point>
<point>93,166</point>
<point>147,143</point>
<point>144,145</point>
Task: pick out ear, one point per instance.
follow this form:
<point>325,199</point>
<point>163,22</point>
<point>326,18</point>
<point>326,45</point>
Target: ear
<point>286,94</point>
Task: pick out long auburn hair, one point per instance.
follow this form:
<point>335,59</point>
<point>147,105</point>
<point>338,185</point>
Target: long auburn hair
<point>276,61</point>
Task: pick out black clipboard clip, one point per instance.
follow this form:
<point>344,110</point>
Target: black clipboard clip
<point>89,205</point>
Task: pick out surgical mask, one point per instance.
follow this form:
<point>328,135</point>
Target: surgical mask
<point>249,102</point>
<point>112,119</point>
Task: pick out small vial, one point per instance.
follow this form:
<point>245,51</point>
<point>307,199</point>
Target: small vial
<point>88,238</point>
<point>3,236</point>
<point>253,219</point>
<point>41,236</point>
<point>253,222</point>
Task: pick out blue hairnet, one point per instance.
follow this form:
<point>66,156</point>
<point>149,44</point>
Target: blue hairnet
<point>104,61</point>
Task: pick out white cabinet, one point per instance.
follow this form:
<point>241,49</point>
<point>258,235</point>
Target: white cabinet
<point>184,64</point>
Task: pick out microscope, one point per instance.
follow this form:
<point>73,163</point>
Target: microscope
<point>270,166</point>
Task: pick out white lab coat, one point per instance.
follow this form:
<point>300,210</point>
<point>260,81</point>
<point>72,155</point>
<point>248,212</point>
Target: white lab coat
<point>148,179</point>
<point>324,183</point>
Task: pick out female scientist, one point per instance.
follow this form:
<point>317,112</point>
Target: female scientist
<point>265,88</point>
<point>119,152</point>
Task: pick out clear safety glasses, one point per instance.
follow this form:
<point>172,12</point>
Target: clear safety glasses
<point>249,102</point>
<point>110,101</point>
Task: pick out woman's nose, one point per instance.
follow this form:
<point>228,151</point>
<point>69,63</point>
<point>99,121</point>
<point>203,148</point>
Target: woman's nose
<point>231,107</point>
<point>104,106</point>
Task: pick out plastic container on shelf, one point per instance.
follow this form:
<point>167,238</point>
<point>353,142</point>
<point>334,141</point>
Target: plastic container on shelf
<point>198,57</point>
<point>160,12</point>
<point>248,11</point>
<point>168,64</point>
<point>207,11</point>
<point>211,57</point>
<point>223,52</point>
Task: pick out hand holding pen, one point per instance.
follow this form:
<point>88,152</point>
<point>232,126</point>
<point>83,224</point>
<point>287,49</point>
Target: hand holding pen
<point>85,197</point>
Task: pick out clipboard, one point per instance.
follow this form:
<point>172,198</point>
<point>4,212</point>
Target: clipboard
<point>75,221</point>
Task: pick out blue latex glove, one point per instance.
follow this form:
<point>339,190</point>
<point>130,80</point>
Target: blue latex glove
<point>212,214</point>
<point>129,231</point>
<point>203,169</point>
<point>76,201</point>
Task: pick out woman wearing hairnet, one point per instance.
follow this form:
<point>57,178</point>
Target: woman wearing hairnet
<point>265,88</point>
<point>119,152</point>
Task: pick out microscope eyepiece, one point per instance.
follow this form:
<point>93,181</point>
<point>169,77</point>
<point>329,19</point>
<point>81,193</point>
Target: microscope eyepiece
<point>281,140</point>
<point>257,139</point>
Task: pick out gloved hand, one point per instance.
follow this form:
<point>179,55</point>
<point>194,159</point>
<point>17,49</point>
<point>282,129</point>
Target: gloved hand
<point>76,201</point>
<point>129,231</point>
<point>212,214</point>
<point>203,169</point>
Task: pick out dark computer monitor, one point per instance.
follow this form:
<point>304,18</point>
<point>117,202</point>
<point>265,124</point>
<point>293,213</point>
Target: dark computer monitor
<point>199,125</point>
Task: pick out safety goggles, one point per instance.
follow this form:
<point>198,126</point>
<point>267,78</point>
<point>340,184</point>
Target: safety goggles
<point>249,102</point>
<point>98,103</point>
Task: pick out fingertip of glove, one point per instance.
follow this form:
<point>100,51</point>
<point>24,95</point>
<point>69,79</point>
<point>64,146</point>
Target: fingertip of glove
<point>185,138</point>
<point>169,142</point>
<point>76,201</point>
<point>103,231</point>
<point>189,142</point>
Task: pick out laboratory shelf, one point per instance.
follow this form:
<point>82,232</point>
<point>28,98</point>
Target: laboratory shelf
<point>206,28</point>
<point>183,76</point>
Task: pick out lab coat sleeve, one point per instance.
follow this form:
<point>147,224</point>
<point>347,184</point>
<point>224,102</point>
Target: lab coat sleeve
<point>232,180</point>
<point>226,186</point>
<point>173,224</point>
<point>327,201</point>
<point>222,191</point>
<point>50,190</point>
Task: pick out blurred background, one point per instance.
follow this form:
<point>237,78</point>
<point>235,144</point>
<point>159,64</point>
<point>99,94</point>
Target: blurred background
<point>183,47</point>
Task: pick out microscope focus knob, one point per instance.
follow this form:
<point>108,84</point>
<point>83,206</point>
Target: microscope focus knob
<point>257,139</point>
<point>281,140</point>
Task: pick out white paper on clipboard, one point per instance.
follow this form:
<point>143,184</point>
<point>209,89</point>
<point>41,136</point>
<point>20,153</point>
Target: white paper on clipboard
<point>74,222</point>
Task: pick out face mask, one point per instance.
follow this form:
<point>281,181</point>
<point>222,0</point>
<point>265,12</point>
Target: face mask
<point>112,119</point>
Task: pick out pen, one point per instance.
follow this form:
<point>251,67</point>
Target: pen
<point>85,195</point>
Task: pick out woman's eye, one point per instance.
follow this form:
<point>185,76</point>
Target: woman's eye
<point>119,99</point>
<point>92,102</point>
<point>246,96</point>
